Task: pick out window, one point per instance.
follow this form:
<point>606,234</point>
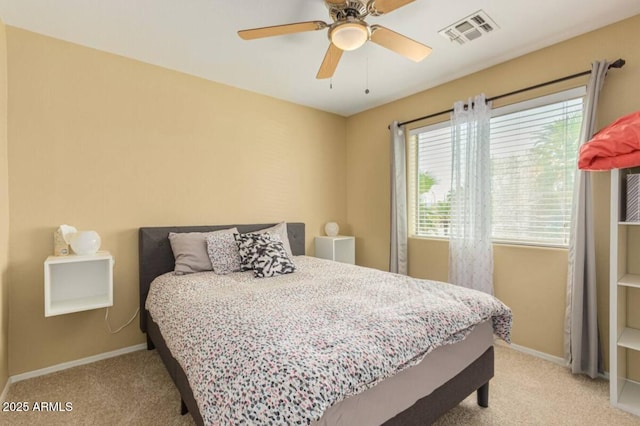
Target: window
<point>534,146</point>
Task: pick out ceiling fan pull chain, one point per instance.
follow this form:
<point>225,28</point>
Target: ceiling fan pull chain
<point>366,89</point>
<point>331,83</point>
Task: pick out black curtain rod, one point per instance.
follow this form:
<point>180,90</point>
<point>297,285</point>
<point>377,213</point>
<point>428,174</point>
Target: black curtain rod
<point>617,64</point>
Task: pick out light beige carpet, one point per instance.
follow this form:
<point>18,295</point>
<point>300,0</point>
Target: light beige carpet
<point>135,389</point>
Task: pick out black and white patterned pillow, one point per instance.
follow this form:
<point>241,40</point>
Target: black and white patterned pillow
<point>272,260</point>
<point>223,253</point>
<point>248,247</point>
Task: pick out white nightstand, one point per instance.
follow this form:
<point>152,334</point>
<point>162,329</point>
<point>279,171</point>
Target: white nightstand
<point>77,283</point>
<point>339,248</point>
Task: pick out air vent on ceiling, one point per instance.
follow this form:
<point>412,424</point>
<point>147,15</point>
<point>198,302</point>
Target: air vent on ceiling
<point>469,28</point>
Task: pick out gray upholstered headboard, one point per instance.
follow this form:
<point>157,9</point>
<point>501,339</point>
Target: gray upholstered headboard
<point>156,256</point>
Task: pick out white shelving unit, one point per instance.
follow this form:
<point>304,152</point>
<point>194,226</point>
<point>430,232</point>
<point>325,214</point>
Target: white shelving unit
<point>77,283</point>
<point>340,248</point>
<point>624,393</point>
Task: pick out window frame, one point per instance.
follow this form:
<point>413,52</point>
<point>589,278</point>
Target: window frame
<point>413,158</point>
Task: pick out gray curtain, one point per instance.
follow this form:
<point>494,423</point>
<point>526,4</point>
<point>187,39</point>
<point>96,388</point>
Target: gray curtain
<point>581,340</point>
<point>398,254</point>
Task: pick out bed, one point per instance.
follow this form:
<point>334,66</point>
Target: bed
<point>418,394</point>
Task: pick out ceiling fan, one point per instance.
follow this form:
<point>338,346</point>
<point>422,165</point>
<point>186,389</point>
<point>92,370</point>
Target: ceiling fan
<point>349,31</point>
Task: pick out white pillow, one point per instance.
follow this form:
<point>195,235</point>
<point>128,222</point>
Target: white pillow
<point>281,230</point>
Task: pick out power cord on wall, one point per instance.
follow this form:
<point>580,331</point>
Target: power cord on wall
<point>106,320</point>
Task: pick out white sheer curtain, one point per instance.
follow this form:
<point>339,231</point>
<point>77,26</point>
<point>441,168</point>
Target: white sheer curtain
<point>470,249</point>
<point>582,349</point>
<point>398,253</point>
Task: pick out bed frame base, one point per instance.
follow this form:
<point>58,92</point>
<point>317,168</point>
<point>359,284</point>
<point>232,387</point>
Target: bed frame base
<point>424,412</point>
<point>483,395</point>
<point>429,408</point>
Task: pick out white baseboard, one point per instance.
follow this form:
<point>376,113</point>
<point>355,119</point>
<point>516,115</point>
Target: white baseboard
<point>552,358</point>
<point>70,364</point>
<point>545,356</point>
<point>5,391</point>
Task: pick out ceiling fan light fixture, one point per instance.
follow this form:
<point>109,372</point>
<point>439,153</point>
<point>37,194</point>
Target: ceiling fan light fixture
<point>349,35</point>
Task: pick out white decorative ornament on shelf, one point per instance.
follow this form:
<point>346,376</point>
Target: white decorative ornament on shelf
<point>67,231</point>
<point>85,242</point>
<point>61,238</point>
<point>331,229</point>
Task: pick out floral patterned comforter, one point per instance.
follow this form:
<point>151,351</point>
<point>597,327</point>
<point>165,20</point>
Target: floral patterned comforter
<point>281,350</point>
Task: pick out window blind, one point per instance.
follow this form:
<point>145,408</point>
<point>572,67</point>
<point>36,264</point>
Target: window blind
<point>432,182</point>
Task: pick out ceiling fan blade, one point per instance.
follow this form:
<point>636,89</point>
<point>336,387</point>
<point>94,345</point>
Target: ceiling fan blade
<point>330,62</point>
<point>276,30</point>
<point>378,7</point>
<point>336,2</point>
<point>403,45</point>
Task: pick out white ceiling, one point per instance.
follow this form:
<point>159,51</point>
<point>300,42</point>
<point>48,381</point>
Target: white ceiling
<point>199,37</point>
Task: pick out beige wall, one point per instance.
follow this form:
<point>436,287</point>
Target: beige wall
<point>102,142</point>
<point>530,280</point>
<point>4,214</point>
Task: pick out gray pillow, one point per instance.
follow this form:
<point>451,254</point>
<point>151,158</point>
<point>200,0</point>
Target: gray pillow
<point>190,250</point>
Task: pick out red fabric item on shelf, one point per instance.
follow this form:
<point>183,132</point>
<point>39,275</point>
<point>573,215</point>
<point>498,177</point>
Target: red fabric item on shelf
<point>615,147</point>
